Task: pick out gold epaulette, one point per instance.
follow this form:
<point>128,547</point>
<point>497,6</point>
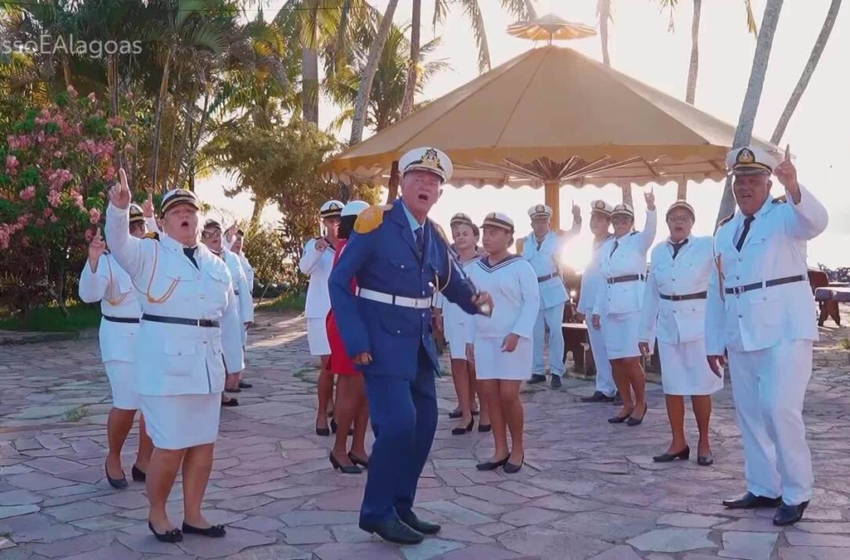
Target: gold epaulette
<point>370,219</point>
<point>520,243</point>
<point>152,235</point>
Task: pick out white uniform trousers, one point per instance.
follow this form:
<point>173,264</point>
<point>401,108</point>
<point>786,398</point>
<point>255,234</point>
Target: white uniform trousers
<point>554,318</point>
<point>769,387</point>
<point>604,377</point>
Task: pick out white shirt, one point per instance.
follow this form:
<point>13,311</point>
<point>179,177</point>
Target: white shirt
<point>178,359</point>
<point>683,320</point>
<point>774,248</point>
<point>452,313</point>
<point>516,300</point>
<point>592,280</point>
<point>544,257</point>
<point>318,265</point>
<point>114,289</point>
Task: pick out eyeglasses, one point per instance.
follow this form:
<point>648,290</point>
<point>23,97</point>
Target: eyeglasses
<point>621,220</point>
<point>679,218</point>
<point>211,234</point>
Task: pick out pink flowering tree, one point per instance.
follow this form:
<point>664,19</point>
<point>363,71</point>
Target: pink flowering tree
<point>56,163</point>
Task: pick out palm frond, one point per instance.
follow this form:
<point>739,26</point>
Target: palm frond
<point>472,9</point>
<point>752,27</point>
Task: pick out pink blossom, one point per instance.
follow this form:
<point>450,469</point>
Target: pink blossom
<point>39,222</point>
<point>27,193</point>
<point>92,97</point>
<point>54,198</point>
<point>109,173</point>
<point>53,219</point>
<point>23,220</point>
<point>4,238</point>
<point>72,92</point>
<point>47,213</point>
<point>94,215</point>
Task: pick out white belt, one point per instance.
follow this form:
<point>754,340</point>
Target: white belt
<point>415,303</point>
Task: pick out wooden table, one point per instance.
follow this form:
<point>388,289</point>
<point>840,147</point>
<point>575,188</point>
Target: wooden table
<point>576,341</point>
<point>829,298</point>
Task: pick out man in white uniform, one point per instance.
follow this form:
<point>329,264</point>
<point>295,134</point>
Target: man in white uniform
<point>542,248</point>
<point>761,311</point>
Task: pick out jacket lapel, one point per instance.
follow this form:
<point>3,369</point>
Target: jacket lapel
<point>400,218</point>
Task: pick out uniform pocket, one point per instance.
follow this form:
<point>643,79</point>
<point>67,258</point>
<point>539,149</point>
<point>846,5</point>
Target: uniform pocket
<point>180,356</point>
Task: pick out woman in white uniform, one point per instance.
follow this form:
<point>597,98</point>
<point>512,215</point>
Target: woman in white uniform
<point>501,345</point>
<point>317,262</point>
<point>105,281</point>
<point>187,300</point>
<point>618,305</point>
<point>465,235</point>
<point>233,241</point>
<point>674,311</point>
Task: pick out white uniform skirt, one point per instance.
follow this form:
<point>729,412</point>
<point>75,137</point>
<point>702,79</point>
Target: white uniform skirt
<point>122,384</point>
<point>182,421</point>
<point>492,363</point>
<point>621,331</point>
<point>685,371</point>
<point>456,337</point>
<point>317,337</point>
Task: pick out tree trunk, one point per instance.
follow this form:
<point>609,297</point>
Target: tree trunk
<point>604,9</point>
<point>808,71</point>
<point>413,68</point>
<point>66,70</point>
<point>392,186</point>
<point>693,69</point>
<point>375,50</point>
<point>744,132</point>
<point>259,205</point>
<point>180,170</point>
<point>310,85</point>
<point>157,130</point>
<point>193,148</point>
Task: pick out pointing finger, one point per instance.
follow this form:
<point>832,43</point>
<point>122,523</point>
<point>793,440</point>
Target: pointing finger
<point>150,196</point>
<point>97,235</point>
<point>123,177</point>
<point>788,152</point>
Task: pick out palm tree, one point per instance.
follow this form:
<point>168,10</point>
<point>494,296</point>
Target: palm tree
<point>808,71</point>
<point>604,16</point>
<point>744,132</point>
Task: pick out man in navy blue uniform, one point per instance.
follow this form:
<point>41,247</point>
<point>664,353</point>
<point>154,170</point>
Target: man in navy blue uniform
<point>399,258</point>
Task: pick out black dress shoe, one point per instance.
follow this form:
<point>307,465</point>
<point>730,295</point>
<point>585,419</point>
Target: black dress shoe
<point>555,382</point>
<point>119,483</point>
<point>460,431</point>
<point>491,465</point>
<point>138,474</point>
<point>236,390</point>
<point>230,402</point>
<point>619,419</point>
<point>705,460</point>
<point>751,501</point>
<point>536,378</point>
<point>358,461</point>
<point>425,527</point>
<point>632,421</point>
<point>344,469</point>
<point>322,431</point>
<point>172,536</point>
<point>598,396</point>
<point>484,428</point>
<point>455,414</point>
<point>511,468</point>
<point>684,455</point>
<point>394,531</point>
<point>788,515</point>
<point>243,385</point>
<point>214,531</point>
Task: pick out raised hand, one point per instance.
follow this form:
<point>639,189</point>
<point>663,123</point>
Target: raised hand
<point>321,244</point>
<point>576,212</point>
<point>786,173</point>
<point>119,194</point>
<point>231,231</point>
<point>644,349</point>
<point>649,197</point>
<point>96,248</point>
<point>147,206</point>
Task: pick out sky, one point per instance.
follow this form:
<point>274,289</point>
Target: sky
<point>642,47</point>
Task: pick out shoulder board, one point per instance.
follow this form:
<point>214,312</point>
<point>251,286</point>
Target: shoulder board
<point>371,218</point>
<point>152,235</point>
<point>726,220</point>
<point>780,200</point>
<point>634,233</point>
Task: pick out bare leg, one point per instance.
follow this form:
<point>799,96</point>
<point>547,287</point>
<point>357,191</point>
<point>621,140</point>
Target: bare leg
<point>514,416</point>
<point>491,390</point>
<point>621,380</point>
<point>326,390</point>
<point>702,412</point>
<point>346,408</point>
<point>676,416</point>
<point>162,471</point>
<point>473,389</point>
<point>118,426</point>
<point>361,418</point>
<point>196,473</point>
<point>460,377</point>
<point>143,455</point>
<point>637,380</point>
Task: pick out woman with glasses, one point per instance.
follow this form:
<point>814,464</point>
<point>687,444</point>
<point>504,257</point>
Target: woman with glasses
<point>674,311</point>
<point>618,306</point>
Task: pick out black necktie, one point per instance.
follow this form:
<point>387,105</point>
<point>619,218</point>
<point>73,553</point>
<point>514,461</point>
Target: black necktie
<point>616,244</point>
<point>747,221</point>
<point>190,252</point>
<point>678,247</point>
<point>420,239</point>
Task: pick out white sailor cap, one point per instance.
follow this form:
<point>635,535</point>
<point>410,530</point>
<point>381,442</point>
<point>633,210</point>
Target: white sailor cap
<point>623,210</point>
<point>177,197</point>
<point>427,159</point>
<point>461,218</point>
<point>136,214</point>
<point>498,220</point>
<point>354,208</point>
<point>212,224</point>
<point>601,207</point>
<point>750,160</point>
<point>540,211</point>
<point>684,205</point>
<point>331,208</point>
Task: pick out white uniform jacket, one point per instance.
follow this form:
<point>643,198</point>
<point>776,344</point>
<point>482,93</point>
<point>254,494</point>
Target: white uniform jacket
<point>318,265</point>
<point>118,298</point>
<point>516,299</point>
<point>592,281</point>
<point>676,321</point>
<point>178,359</point>
<point>240,286</point>
<point>544,260</point>
<point>774,249</point>
<point>628,259</point>
<point>248,270</point>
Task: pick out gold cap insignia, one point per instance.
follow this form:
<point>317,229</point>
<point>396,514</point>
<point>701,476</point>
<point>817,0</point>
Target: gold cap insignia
<point>431,159</point>
<point>745,156</point>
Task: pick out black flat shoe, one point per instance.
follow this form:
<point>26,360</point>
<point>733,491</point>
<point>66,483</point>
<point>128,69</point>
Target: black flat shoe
<point>510,468</point>
<point>138,474</point>
<point>484,428</point>
<point>619,419</point>
<point>788,515</point>
<point>536,378</point>
<point>236,390</point>
<point>491,465</point>
<point>461,431</point>
<point>358,461</point>
<point>684,455</point>
<point>322,431</point>
<point>243,385</point>
<point>394,531</point>
<point>425,527</point>
<point>230,402</point>
<point>632,421</point>
<point>598,396</point>
<point>344,469</point>
<point>555,382</point>
<point>751,501</point>
<point>618,400</point>
<point>214,531</point>
<point>119,483</point>
<point>455,414</point>
<point>172,536</point>
<point>705,460</point>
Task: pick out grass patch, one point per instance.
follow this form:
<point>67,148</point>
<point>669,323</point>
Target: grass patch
<point>76,414</point>
<point>305,374</point>
<point>286,302</point>
<point>845,343</point>
<point>51,319</point>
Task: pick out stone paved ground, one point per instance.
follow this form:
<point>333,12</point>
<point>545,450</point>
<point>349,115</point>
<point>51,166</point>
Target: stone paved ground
<point>589,489</point>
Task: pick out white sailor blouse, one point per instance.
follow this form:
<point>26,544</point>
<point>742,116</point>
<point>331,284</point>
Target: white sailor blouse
<point>318,265</point>
<point>516,300</point>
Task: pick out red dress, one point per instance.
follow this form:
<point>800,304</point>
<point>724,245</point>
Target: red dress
<point>339,362</point>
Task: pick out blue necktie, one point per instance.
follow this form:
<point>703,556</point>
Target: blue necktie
<point>420,239</point>
<point>190,252</point>
<point>678,247</point>
<point>747,221</point>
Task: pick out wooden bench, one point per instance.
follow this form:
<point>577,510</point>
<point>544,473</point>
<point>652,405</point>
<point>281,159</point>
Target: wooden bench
<point>828,298</point>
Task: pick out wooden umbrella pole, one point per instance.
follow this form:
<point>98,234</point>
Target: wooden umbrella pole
<point>392,186</point>
<point>552,199</point>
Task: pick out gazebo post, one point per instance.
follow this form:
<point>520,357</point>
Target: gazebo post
<point>627,194</point>
<point>392,185</point>
<point>552,198</point>
<point>682,189</point>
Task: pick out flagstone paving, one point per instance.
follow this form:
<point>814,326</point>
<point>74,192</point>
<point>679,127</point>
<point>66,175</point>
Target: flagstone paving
<point>589,490</point>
